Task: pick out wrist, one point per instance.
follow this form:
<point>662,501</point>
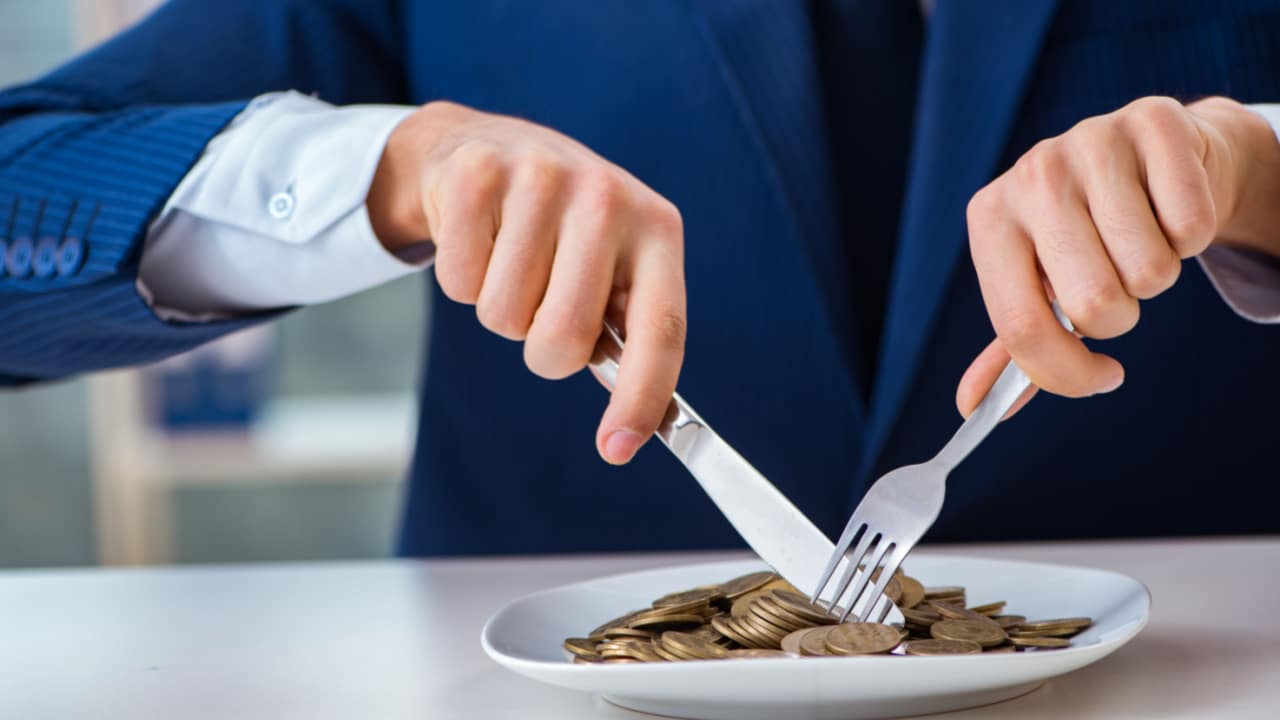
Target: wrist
<point>1251,169</point>
<point>394,201</point>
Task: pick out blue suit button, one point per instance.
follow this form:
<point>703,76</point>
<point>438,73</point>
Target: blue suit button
<point>70,256</point>
<point>45,260</point>
<point>18,260</point>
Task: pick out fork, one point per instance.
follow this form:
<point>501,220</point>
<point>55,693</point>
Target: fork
<point>902,505</point>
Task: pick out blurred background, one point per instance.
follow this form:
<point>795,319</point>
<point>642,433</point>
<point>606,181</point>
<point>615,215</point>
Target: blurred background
<point>120,468</point>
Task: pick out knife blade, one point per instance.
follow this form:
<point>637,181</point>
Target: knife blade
<point>770,524</point>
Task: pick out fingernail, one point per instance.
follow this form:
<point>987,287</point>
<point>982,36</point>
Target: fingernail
<point>621,445</point>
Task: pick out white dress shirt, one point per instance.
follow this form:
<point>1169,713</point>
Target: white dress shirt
<point>273,215</point>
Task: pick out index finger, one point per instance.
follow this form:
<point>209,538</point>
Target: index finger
<point>1055,359</point>
<point>655,324</point>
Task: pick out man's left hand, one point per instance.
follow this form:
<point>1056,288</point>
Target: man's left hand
<point>1101,217</point>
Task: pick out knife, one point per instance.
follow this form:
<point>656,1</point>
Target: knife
<point>774,528</point>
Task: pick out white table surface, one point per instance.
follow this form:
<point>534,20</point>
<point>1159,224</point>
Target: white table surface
<point>400,639</point>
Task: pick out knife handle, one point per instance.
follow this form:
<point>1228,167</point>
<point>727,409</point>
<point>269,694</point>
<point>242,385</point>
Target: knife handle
<point>679,417</point>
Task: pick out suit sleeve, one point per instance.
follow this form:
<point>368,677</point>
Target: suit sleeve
<point>90,153</point>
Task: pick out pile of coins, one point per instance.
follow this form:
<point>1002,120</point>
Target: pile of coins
<point>761,616</point>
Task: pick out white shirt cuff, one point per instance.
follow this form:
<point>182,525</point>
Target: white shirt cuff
<point>1248,282</point>
<point>273,214</point>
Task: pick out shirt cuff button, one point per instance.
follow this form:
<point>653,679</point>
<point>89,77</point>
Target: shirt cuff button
<point>281,205</point>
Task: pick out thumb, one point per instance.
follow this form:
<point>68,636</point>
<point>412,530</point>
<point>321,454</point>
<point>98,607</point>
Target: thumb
<point>981,375</point>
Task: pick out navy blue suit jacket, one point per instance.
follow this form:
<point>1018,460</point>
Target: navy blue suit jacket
<point>715,104</point>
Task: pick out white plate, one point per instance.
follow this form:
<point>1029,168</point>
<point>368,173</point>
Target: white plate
<point>526,636</point>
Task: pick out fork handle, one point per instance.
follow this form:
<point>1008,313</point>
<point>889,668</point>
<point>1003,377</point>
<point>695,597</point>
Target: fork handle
<point>1002,395</point>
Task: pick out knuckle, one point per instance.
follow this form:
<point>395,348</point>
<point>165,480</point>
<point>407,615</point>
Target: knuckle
<point>542,174</point>
<point>1042,164</point>
<point>500,319</point>
<point>1147,277</point>
<point>1120,224</point>
<point>458,286</point>
<point>670,327</point>
<point>1018,330</point>
<point>540,362</point>
<point>477,159</point>
<point>1057,241</point>
<point>576,331</point>
<point>476,171</point>
<point>1101,310</point>
<point>1154,112</point>
<point>666,217</point>
<point>565,341</point>
<point>1191,228</point>
<point>1095,145</point>
<point>603,196</point>
<point>981,206</point>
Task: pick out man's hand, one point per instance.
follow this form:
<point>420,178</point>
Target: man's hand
<point>544,237</point>
<point>1100,218</point>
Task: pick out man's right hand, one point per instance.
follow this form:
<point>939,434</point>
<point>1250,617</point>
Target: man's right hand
<point>545,238</point>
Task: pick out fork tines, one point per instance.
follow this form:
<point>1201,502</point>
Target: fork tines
<point>877,556</point>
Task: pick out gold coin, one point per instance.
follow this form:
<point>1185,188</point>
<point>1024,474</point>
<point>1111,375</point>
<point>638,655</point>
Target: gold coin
<point>740,586</point>
<point>767,609</point>
<point>616,622</point>
<point>578,660</point>
<point>799,605</point>
<point>955,612</point>
<point>933,593</point>
<point>989,609</point>
<point>657,620</point>
<point>893,589</point>
<point>791,643</point>
<point>942,647</point>
<point>912,592</point>
<point>620,661</point>
<point>1009,622</point>
<point>625,632</point>
<point>664,652</point>
<point>773,632</point>
<point>644,650</point>
<point>755,637</point>
<point>617,651</point>
<point>750,653</point>
<point>861,639</point>
<point>1039,642</point>
<point>814,644</point>
<point>983,632</point>
<point>708,633</point>
<point>581,647</point>
<point>742,605</point>
<point>1000,649</point>
<point>1047,632</point>
<point>920,616</point>
<point>1079,623</point>
<point>692,598</point>
<point>725,625</point>
<point>692,646</point>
